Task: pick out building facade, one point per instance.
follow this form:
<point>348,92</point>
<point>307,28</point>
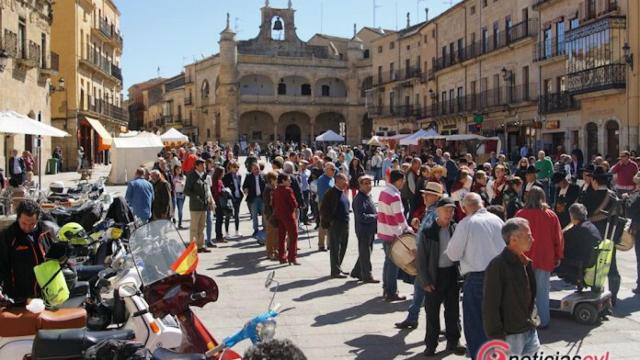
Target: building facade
<point>549,74</point>
<point>86,35</point>
<point>25,33</point>
<point>272,87</point>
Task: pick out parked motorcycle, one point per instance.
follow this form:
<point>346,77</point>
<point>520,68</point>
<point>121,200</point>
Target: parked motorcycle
<point>171,287</point>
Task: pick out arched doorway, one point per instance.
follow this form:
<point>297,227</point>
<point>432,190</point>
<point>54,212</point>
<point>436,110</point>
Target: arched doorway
<point>592,140</point>
<point>613,139</point>
<point>302,130</point>
<point>292,134</point>
<point>328,121</point>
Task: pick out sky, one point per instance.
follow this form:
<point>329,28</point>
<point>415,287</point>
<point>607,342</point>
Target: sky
<point>168,34</point>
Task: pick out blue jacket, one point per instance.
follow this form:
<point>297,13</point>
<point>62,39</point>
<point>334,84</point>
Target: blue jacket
<point>324,183</point>
<point>139,197</point>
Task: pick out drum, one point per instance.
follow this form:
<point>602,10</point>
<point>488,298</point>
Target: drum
<point>403,253</point>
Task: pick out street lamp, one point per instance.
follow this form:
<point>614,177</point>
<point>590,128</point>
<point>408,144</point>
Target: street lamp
<point>4,59</point>
<point>628,56</point>
<point>59,88</point>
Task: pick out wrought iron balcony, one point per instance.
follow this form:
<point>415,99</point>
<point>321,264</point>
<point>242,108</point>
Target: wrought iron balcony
<point>504,38</point>
<point>549,49</point>
<point>560,102</point>
<point>397,75</point>
<point>606,77</point>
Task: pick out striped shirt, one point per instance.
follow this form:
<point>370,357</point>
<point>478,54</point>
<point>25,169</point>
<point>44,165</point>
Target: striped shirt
<point>391,220</point>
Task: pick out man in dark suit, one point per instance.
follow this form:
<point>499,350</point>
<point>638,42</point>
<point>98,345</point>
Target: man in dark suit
<point>566,194</point>
<point>253,188</point>
<point>16,169</point>
<point>531,181</point>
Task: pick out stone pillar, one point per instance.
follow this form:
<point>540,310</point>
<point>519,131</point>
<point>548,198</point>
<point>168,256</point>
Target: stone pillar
<point>228,86</point>
<point>602,137</point>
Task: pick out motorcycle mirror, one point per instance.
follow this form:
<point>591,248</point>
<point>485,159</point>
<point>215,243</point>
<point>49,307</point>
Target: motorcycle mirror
<point>269,280</point>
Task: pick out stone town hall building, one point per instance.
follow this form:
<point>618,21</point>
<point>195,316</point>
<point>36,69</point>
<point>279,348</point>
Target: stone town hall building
<point>272,87</point>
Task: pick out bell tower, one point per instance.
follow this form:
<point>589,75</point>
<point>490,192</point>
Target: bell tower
<point>274,19</point>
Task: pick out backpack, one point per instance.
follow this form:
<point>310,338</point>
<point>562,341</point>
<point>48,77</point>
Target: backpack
<point>226,201</point>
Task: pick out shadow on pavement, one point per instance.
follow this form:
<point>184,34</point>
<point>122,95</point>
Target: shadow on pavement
<point>346,286</point>
<point>300,284</point>
<point>625,307</point>
<point>370,307</point>
<point>244,263</point>
<point>557,332</point>
<point>376,346</point>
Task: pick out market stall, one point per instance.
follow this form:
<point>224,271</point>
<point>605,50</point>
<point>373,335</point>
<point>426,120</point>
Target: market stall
<point>174,138</point>
<point>131,152</point>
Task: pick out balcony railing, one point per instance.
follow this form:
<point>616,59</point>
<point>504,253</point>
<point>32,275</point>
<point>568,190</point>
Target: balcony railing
<point>487,101</point>
<point>102,64</point>
<point>552,103</point>
<point>549,49</point>
<point>116,72</point>
<point>107,110</point>
<point>110,32</point>
<point>612,76</point>
<point>397,75</point>
<point>55,61</point>
<point>504,38</point>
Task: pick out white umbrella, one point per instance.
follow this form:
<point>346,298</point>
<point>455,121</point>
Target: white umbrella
<point>13,123</point>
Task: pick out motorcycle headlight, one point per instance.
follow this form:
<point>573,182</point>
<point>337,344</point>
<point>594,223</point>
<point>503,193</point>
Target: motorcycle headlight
<point>266,330</point>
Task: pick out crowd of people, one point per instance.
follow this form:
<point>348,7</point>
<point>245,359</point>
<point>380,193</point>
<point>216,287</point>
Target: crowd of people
<point>472,221</point>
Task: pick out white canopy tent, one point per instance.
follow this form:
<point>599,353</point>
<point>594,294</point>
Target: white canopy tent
<point>12,122</point>
<point>374,141</point>
<point>130,152</point>
<point>414,139</point>
<point>329,136</point>
<point>174,136</point>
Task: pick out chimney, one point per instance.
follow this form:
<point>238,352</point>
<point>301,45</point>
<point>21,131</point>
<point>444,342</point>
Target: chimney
<point>408,19</point>
<point>426,10</point>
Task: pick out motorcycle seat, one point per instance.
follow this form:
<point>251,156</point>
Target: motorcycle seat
<point>70,344</point>
<point>18,322</point>
<point>73,318</point>
<point>22,322</point>
<point>166,354</point>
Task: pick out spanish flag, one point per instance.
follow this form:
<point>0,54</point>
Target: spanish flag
<point>188,261</point>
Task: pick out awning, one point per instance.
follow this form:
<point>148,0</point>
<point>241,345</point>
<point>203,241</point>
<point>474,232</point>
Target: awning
<point>12,122</point>
<point>106,139</point>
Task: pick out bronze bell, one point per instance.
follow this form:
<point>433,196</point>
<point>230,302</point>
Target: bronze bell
<point>277,26</point>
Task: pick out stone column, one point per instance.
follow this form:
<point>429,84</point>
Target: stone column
<point>602,137</point>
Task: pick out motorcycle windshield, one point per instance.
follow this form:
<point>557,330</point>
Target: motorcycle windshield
<point>155,248</point>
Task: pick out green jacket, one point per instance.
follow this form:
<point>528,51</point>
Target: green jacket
<point>196,189</point>
<point>545,168</point>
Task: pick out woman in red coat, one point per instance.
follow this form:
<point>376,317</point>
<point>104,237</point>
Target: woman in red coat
<point>284,212</point>
<point>547,249</point>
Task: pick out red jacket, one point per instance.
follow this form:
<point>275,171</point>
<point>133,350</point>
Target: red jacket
<point>284,204</point>
<point>548,244</point>
<point>189,163</point>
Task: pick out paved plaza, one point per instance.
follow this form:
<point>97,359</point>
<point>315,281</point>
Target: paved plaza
<point>340,318</point>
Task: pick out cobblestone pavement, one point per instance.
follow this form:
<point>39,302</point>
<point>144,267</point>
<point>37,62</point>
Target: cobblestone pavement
<point>341,318</point>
